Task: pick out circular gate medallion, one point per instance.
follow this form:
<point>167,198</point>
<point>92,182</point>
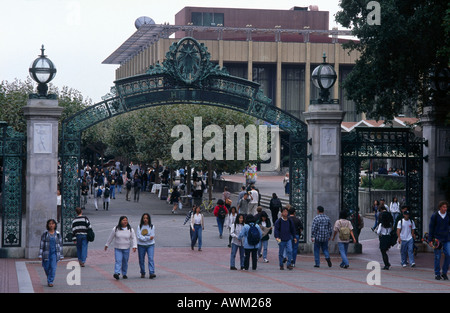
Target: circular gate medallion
<point>188,60</point>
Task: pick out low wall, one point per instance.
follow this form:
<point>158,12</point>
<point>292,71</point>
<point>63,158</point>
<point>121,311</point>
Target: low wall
<point>365,199</point>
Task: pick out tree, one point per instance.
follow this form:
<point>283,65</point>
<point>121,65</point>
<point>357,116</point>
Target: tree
<point>393,71</point>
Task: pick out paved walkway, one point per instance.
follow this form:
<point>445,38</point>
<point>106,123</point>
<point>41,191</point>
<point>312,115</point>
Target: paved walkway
<point>181,270</point>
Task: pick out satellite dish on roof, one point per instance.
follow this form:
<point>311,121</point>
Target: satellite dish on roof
<point>143,20</point>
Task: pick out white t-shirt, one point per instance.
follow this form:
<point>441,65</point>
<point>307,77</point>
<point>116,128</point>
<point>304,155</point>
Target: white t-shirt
<point>255,196</point>
<point>406,229</point>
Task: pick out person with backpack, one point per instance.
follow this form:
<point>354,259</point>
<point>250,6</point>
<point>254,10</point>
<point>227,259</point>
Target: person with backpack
<point>344,228</point>
<point>220,212</point>
<point>439,228</point>
<point>251,235</point>
<point>275,207</point>
<point>405,234</point>
<point>237,244</point>
<point>284,232</point>
<point>106,197</point>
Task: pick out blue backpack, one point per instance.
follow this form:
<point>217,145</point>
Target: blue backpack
<point>253,236</point>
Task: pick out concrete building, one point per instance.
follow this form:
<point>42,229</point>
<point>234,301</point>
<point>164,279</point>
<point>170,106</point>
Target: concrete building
<point>277,48</point>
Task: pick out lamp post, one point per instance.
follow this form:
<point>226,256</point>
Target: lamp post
<point>42,71</point>
<point>323,77</point>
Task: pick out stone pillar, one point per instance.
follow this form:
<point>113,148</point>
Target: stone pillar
<point>324,180</point>
<point>42,169</point>
<point>437,166</point>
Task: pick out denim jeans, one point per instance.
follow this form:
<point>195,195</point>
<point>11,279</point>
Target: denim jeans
<point>82,248</point>
<point>113,191</point>
<point>437,258</point>
<point>121,261</point>
<point>234,249</point>
<point>149,250</point>
<point>253,253</point>
<point>49,265</point>
<point>343,248</point>
<point>220,222</point>
<point>197,234</point>
<point>320,245</point>
<point>263,247</point>
<point>406,250</point>
<point>282,246</point>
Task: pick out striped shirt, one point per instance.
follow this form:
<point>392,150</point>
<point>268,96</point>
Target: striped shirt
<point>80,225</point>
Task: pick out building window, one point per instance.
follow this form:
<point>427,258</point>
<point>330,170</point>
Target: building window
<point>293,90</point>
<point>207,19</point>
<point>265,76</point>
<point>238,70</point>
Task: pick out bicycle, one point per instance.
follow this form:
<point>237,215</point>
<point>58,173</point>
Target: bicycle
<point>207,205</point>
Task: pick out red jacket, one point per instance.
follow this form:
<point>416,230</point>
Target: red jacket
<point>216,210</point>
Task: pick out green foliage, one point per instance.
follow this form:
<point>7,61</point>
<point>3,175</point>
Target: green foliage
<point>396,56</point>
<point>382,183</point>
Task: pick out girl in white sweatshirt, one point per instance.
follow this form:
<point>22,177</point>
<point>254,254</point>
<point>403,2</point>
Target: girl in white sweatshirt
<point>124,239</point>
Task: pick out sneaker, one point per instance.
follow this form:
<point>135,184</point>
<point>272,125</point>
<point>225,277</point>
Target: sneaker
<point>403,265</point>
<point>437,277</point>
<point>444,277</point>
<point>125,277</point>
<point>233,268</point>
<point>290,267</point>
<point>413,264</point>
<point>329,262</point>
<point>152,276</point>
<point>316,265</point>
<point>116,276</point>
<point>142,275</point>
<point>282,268</point>
<point>266,261</point>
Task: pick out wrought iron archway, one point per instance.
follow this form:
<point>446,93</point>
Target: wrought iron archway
<point>12,152</point>
<point>186,76</point>
<point>384,143</point>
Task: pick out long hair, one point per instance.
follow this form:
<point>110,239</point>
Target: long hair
<point>236,221</point>
<point>119,225</point>
<point>149,220</point>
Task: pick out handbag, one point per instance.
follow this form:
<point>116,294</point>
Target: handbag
<point>90,235</point>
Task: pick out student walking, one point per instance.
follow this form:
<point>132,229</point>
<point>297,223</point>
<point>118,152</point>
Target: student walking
<point>237,244</point>
<point>106,197</point>
<point>51,250</point>
<point>439,229</point>
<point>229,220</point>
<point>220,212</point>
<point>124,239</point>
<point>80,226</point>
<point>197,227</point>
<point>344,228</point>
<point>284,234</point>
<point>174,199</point>
<point>251,235</point>
<point>146,245</point>
<point>384,232</point>
<point>321,231</point>
<point>266,228</point>
<point>298,227</point>
<point>405,234</point>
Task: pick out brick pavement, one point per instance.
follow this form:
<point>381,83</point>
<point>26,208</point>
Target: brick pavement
<point>181,270</point>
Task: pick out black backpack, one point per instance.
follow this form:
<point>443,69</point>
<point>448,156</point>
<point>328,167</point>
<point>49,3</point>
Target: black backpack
<point>222,212</point>
<point>106,193</point>
<point>253,236</point>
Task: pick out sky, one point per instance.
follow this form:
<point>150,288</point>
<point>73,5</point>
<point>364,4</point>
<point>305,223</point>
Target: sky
<point>79,35</point>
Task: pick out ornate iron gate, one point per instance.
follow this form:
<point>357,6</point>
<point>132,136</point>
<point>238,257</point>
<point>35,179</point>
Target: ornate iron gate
<point>12,151</point>
<point>186,76</point>
<point>384,143</point>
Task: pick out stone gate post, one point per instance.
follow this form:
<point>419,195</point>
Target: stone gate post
<point>324,180</point>
<point>42,169</point>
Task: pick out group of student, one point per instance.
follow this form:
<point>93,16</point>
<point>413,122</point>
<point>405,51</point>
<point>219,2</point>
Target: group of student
<point>125,239</point>
<point>402,231</point>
